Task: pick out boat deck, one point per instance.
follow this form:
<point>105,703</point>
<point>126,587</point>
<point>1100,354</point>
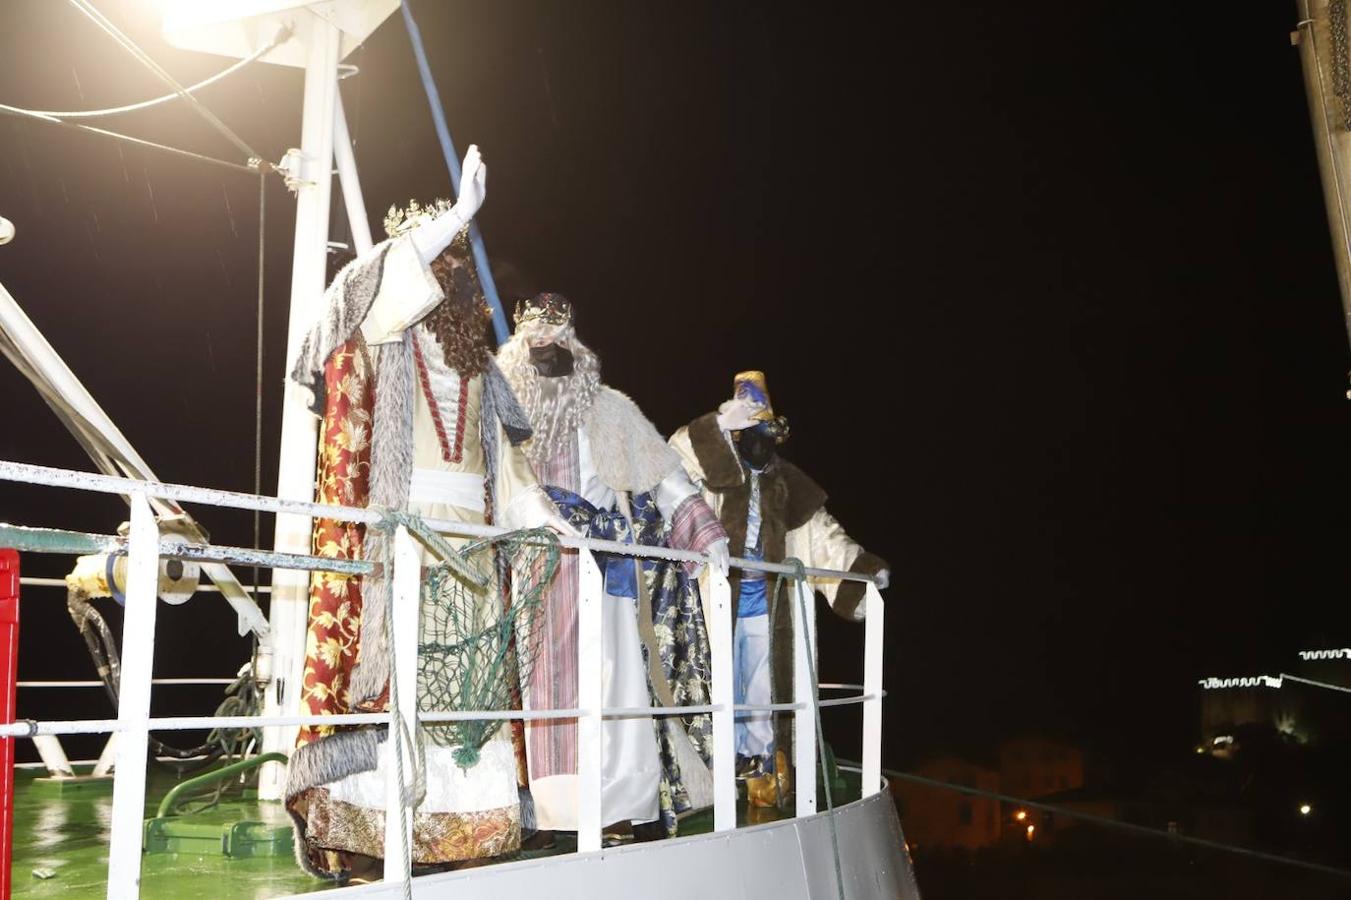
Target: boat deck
<point>63,834</point>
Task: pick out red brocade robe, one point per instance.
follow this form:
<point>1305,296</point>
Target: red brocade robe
<point>336,777</point>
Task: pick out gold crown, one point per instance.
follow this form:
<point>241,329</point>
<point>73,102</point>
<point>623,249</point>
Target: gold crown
<point>398,221</point>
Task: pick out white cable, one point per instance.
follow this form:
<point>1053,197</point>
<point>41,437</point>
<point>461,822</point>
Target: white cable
<point>283,35</point>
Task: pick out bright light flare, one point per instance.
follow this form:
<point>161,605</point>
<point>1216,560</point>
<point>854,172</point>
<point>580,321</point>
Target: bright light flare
<point>1305,809</point>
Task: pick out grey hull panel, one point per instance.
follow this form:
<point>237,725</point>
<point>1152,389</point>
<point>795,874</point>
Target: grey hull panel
<point>789,860</point>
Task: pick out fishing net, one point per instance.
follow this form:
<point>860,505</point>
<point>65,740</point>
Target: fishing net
<point>480,632</point>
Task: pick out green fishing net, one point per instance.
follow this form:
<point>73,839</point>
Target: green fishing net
<point>481,631</point>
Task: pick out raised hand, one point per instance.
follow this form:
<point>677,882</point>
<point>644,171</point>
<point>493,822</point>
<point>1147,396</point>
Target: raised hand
<point>734,415</point>
<point>473,183</point>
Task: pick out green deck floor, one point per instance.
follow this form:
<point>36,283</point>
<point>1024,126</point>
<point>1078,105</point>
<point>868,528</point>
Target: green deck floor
<point>68,835</point>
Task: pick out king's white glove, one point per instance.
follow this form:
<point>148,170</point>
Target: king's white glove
<point>734,415</point>
<point>473,183</point>
<point>883,579</point>
<point>431,238</point>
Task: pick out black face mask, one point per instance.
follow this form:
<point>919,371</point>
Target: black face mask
<point>551,360</point>
<point>756,447</point>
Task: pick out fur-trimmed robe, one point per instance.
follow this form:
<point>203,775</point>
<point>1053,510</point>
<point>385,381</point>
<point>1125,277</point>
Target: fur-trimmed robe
<point>607,461</point>
<point>794,524</point>
<point>391,405</point>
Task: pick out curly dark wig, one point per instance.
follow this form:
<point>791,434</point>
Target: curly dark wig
<point>460,322</point>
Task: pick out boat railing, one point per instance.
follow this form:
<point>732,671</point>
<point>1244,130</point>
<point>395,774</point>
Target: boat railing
<point>144,545</point>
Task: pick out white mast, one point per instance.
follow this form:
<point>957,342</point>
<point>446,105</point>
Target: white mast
<point>322,34</point>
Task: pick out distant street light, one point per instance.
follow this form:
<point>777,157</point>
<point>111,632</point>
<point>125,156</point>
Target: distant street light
<point>1305,809</point>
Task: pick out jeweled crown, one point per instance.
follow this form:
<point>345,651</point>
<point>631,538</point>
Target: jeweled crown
<point>398,221</point>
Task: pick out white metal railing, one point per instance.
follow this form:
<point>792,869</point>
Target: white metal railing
<point>144,546</point>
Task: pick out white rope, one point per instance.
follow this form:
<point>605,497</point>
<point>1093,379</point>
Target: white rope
<point>398,737</point>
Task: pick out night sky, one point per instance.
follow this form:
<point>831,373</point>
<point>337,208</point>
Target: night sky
<point>1046,292</point>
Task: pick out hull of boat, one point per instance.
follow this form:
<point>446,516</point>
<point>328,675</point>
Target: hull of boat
<point>788,860</point>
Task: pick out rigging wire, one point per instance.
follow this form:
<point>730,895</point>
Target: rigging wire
<point>159,72</point>
<point>141,142</point>
<point>1318,684</point>
<point>1143,830</point>
<point>283,35</point>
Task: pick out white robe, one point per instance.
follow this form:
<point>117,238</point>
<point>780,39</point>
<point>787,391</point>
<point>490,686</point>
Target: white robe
<point>630,763</point>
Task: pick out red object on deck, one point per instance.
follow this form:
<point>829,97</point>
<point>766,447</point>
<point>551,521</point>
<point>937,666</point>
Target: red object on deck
<point>9,674</point>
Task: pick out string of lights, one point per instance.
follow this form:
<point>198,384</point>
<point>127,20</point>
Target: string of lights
<point>1268,681</point>
<point>1335,653</point>
<point>1251,681</point>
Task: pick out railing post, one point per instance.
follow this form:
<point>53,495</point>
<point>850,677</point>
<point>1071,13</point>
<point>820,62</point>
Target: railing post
<point>403,623</point>
<point>804,719</point>
<point>590,701</point>
<point>723,696</point>
<point>9,675</point>
<point>133,706</point>
<point>873,644</point>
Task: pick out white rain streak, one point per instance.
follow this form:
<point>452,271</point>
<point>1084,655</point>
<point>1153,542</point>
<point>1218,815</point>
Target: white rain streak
<point>224,269</point>
<point>150,189</point>
<point>229,211</point>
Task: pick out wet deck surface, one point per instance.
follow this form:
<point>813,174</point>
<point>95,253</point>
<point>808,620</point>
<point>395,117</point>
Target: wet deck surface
<point>67,835</point>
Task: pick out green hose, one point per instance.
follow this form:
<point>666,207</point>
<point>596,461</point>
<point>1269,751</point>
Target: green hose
<point>167,804</point>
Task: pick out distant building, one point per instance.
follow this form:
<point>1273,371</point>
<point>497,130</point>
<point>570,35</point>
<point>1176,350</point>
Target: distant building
<point>1029,768</point>
<point>934,817</point>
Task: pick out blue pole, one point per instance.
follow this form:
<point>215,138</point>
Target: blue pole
<point>485,273</point>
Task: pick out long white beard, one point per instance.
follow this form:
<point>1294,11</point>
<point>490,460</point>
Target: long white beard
<point>556,406</point>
